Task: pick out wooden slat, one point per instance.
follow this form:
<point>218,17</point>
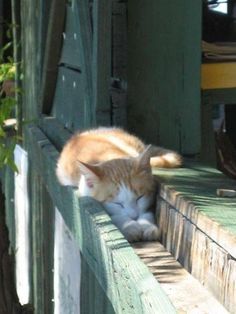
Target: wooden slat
<point>193,192</point>
<point>70,101</point>
<point>184,291</point>
<point>218,75</point>
<point>55,131</point>
<point>71,53</point>
<point>119,40</point>
<point>82,16</point>
<point>101,63</point>
<point>164,72</point>
<point>199,227</point>
<point>52,53</point>
<point>127,282</point>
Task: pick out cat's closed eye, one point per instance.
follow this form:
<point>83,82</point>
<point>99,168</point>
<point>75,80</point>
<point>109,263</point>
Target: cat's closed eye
<point>139,198</point>
<point>118,204</point>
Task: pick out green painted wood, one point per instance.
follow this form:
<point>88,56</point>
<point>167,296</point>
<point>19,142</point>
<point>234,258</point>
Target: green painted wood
<point>55,131</point>
<point>164,72</point>
<point>7,181</point>
<point>73,101</point>
<point>192,191</point>
<point>70,105</point>
<point>82,15</point>
<point>93,298</point>
<point>33,24</point>
<point>219,96</point>
<point>16,20</point>
<point>101,62</point>
<point>71,53</point>
<point>52,53</point>
<point>126,281</point>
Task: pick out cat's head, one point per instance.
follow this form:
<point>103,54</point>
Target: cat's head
<point>124,186</point>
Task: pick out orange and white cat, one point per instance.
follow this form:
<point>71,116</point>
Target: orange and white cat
<point>114,167</point>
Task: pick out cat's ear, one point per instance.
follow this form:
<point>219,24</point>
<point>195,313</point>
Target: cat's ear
<point>92,173</point>
<point>144,158</point>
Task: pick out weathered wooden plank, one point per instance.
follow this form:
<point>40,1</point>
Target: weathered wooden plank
<point>70,101</point>
<point>192,191</point>
<point>52,53</point>
<point>82,16</point>
<point>119,40</point>
<point>200,255</point>
<point>55,131</point>
<point>101,62</point>
<point>118,270</point>
<point>163,73</point>
<point>119,107</point>
<point>185,292</point>
<point>71,53</point>
<point>30,57</point>
<point>93,298</point>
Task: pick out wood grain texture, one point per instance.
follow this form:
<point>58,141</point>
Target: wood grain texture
<point>198,227</point>
<point>164,72</point>
<point>52,53</point>
<point>101,61</point>
<point>184,291</point>
<point>192,191</point>
<point>70,101</point>
<point>126,281</point>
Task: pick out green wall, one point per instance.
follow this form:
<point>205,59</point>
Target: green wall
<point>164,72</point>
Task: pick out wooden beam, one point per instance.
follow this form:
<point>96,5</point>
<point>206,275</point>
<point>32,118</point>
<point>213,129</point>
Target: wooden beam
<point>218,75</point>
<point>52,54</point>
<point>101,63</point>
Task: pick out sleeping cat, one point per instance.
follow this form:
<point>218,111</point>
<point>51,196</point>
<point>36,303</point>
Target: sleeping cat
<point>114,167</point>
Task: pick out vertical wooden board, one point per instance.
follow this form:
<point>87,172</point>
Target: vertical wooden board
<point>190,107</point>
<point>93,298</point>
<point>101,62</point>
<point>119,109</point>
<point>69,104</point>
<point>82,16</point>
<point>71,53</point>
<point>52,52</point>
<point>32,56</point>
<point>119,40</point>
<point>8,186</point>
<point>156,74</point>
<point>155,70</point>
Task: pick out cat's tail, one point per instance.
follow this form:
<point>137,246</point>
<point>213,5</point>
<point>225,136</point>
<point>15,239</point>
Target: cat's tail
<point>165,158</point>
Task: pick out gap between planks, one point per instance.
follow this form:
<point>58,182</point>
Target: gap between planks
<point>184,291</point>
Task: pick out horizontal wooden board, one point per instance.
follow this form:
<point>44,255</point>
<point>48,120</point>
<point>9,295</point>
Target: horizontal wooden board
<point>127,282</point>
<point>219,96</point>
<point>192,191</point>
<point>218,75</point>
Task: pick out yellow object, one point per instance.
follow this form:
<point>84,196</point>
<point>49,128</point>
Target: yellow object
<point>218,75</point>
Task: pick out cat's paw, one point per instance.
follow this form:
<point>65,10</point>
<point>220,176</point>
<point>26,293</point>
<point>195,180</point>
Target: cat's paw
<point>133,232</point>
<point>151,233</point>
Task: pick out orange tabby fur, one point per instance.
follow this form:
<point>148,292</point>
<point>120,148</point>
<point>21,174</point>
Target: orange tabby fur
<point>114,167</point>
<point>105,144</point>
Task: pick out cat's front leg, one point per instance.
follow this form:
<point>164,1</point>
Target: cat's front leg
<point>131,229</point>
<point>150,231</point>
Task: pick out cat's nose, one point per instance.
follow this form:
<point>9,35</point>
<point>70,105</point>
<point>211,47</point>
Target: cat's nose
<point>133,215</point>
